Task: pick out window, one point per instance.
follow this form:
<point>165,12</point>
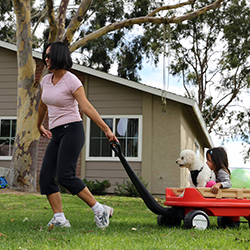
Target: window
<point>7,137</point>
<point>128,131</point>
<point>197,148</point>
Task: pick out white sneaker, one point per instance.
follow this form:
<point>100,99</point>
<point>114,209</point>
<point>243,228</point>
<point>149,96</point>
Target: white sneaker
<point>102,220</point>
<point>58,223</point>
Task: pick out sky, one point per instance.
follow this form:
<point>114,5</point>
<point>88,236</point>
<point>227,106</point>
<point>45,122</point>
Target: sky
<point>154,77</point>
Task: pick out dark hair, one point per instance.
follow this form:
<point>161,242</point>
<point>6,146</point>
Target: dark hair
<point>59,55</point>
<point>219,158</point>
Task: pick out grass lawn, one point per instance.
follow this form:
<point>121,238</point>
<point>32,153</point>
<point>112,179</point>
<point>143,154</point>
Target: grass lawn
<point>23,220</point>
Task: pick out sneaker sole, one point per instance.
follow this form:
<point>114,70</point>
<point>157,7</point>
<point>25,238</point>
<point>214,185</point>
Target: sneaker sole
<point>58,224</point>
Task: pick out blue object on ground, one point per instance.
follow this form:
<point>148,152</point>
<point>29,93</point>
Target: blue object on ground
<point>3,182</point>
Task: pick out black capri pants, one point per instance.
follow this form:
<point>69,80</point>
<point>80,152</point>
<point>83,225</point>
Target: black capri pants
<point>60,159</point>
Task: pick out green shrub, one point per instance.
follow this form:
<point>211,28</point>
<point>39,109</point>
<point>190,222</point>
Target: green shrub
<point>97,187</point>
<point>127,188</point>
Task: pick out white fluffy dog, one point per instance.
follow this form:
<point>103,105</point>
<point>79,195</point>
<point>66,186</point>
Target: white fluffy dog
<point>200,173</point>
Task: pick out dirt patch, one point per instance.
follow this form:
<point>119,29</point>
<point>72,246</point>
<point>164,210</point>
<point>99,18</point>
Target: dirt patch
<point>13,191</point>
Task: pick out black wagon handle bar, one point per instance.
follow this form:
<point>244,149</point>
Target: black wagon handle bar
<point>116,146</point>
<point>144,193</point>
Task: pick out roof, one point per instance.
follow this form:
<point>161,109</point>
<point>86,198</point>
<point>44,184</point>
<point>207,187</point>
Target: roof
<point>191,105</point>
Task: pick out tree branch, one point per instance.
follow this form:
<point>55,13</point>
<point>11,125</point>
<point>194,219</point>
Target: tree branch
<point>140,20</point>
<point>53,29</point>
<point>43,14</point>
<point>235,92</point>
<point>215,106</point>
<point>61,19</point>
<point>184,83</point>
<point>170,7</point>
<point>76,21</point>
<point>198,12</point>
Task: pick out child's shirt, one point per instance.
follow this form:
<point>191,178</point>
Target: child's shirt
<point>224,178</point>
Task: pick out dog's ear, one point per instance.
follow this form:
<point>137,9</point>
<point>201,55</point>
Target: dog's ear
<point>190,158</point>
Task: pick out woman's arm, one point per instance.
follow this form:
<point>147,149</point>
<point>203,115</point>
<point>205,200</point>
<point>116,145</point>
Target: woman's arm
<point>91,112</point>
<point>42,110</point>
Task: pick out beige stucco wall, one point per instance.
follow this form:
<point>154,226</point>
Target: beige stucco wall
<point>164,136</point>
<point>161,144</point>
<point>187,142</point>
<point>189,136</point>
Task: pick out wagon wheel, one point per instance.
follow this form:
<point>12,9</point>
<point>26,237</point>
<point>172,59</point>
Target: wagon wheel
<point>196,219</point>
<point>163,220</point>
<point>224,222</point>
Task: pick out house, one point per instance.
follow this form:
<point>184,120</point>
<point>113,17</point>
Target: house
<point>152,133</point>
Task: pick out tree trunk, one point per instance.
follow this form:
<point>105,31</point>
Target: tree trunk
<point>22,174</point>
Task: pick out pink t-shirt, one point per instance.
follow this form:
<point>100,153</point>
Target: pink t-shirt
<point>62,106</point>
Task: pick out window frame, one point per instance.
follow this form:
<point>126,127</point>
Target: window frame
<point>7,158</point>
<point>113,157</point>
<point>197,147</point>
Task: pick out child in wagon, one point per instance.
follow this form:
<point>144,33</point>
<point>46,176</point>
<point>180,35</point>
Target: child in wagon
<point>217,160</point>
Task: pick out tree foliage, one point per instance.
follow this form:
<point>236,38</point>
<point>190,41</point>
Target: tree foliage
<point>235,68</point>
<point>6,20</point>
<point>211,55</point>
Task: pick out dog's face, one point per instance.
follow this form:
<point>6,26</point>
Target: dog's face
<point>186,159</point>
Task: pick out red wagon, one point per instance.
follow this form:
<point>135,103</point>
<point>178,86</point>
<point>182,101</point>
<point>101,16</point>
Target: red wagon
<point>193,205</point>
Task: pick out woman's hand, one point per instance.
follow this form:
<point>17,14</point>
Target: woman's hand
<point>44,132</point>
<point>215,188</point>
<point>111,137</point>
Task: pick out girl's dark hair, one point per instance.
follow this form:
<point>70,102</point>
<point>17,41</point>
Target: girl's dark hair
<point>219,158</point>
<point>59,56</point>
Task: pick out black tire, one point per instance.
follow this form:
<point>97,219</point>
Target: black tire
<point>224,222</point>
<point>163,220</point>
<point>196,219</point>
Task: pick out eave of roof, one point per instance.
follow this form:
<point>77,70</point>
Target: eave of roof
<point>132,84</point>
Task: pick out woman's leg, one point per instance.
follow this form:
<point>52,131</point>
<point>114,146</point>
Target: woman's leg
<point>102,212</point>
<point>48,184</point>
<point>71,143</point>
<point>55,202</point>
<point>70,147</point>
<point>56,205</point>
<point>87,197</point>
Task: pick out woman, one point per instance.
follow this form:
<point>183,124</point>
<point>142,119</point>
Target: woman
<point>62,92</point>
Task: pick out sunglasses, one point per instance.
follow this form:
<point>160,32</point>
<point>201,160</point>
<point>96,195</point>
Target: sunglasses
<point>47,56</point>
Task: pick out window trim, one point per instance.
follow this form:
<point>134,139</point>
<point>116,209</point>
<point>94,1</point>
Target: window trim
<point>113,158</point>
<point>197,147</point>
<point>7,158</point>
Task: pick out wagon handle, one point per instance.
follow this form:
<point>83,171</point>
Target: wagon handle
<point>116,146</point>
<point>144,193</point>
